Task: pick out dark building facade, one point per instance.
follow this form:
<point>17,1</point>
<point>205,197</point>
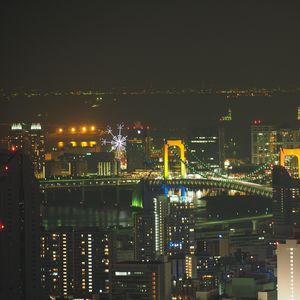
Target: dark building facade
<point>204,146</point>
<point>75,262</point>
<point>141,280</point>
<point>138,147</point>
<point>31,140</point>
<point>286,201</point>
<point>144,233</point>
<point>20,228</point>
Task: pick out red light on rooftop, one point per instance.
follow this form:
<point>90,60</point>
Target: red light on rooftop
<point>1,226</point>
<point>6,168</point>
<point>13,148</point>
<point>257,122</point>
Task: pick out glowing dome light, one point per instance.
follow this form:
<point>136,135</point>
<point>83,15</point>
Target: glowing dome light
<point>35,126</point>
<point>16,126</point>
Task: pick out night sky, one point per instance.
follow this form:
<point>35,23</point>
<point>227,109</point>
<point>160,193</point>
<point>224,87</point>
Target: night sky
<point>79,44</point>
<point>64,45</point>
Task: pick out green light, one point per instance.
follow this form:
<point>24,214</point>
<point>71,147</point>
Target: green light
<point>137,202</point>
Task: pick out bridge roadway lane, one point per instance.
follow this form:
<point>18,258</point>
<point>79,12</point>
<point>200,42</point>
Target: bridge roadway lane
<point>243,186</point>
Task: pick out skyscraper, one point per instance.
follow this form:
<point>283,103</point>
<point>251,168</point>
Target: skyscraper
<point>141,280</point>
<point>286,202</point>
<point>266,141</point>
<point>138,147</point>
<point>75,262</point>
<point>144,231</point>
<point>204,146</point>
<point>288,270</point>
<point>31,140</point>
<point>37,149</point>
<point>161,210</point>
<point>180,226</point>
<point>18,138</point>
<point>20,228</point>
<point>263,142</point>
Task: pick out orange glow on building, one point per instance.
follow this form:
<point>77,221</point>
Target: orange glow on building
<point>73,143</point>
<point>73,129</point>
<point>83,129</point>
<point>93,128</point>
<point>60,130</point>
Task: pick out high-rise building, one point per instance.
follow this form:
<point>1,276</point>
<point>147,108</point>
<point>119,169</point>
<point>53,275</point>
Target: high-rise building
<point>19,228</point>
<point>75,262</point>
<point>161,211</point>
<point>180,235</point>
<point>31,140</point>
<point>18,138</point>
<point>204,146</point>
<point>144,230</point>
<point>288,270</point>
<point>286,201</point>
<point>37,149</point>
<point>266,141</point>
<point>138,147</point>
<point>263,142</point>
<point>141,280</point>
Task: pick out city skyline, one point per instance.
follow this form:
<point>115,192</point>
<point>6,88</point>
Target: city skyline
<point>150,150</point>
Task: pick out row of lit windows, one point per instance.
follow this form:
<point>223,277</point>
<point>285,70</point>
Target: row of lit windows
<point>75,144</point>
<point>82,129</point>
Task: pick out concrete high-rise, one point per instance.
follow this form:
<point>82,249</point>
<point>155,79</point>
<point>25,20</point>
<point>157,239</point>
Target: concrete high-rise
<point>288,270</point>
<point>204,146</point>
<point>144,232</point>
<point>75,262</point>
<point>286,202</point>
<point>138,147</point>
<point>19,229</point>
<point>37,149</point>
<point>141,280</point>
<point>266,141</point>
<point>263,142</point>
<point>161,211</point>
<point>31,140</point>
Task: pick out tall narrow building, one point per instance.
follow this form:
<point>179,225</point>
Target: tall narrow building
<point>288,270</point>
<point>75,262</point>
<point>19,229</point>
<point>144,233</point>
<point>286,202</point>
<point>37,149</point>
<point>138,147</point>
<point>31,140</point>
<point>161,211</point>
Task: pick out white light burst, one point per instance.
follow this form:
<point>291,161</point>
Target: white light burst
<point>118,142</point>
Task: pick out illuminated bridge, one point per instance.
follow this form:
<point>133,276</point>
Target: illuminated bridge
<point>242,186</point>
<point>209,179</point>
<point>87,182</point>
<point>221,183</point>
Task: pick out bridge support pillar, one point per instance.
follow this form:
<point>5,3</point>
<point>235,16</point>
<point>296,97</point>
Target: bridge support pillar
<point>254,226</point>
<point>180,145</point>
<point>289,152</point>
